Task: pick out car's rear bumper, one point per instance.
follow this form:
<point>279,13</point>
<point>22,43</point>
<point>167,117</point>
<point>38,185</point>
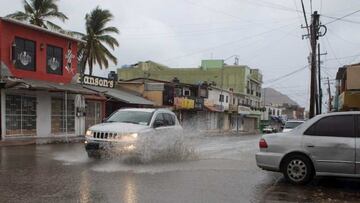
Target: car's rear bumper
<point>268,161</point>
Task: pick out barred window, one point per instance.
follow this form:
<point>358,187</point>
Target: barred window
<point>20,115</point>
<point>24,54</point>
<point>93,113</point>
<point>62,120</point>
<point>54,60</point>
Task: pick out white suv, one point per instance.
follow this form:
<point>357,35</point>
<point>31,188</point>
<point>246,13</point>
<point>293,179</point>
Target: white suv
<point>134,131</point>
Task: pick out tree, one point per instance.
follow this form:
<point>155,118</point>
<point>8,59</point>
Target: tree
<point>38,12</point>
<point>97,35</point>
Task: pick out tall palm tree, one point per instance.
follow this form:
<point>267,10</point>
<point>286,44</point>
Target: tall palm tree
<point>97,37</point>
<point>38,12</point>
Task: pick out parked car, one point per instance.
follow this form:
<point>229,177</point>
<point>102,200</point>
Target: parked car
<point>134,131</point>
<point>269,129</point>
<point>291,124</point>
<point>326,145</point>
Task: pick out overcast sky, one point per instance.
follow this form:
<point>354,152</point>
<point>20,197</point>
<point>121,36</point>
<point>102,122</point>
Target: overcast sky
<point>265,34</point>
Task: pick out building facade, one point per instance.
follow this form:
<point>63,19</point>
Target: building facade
<point>347,95</point>
<point>42,98</point>
<point>244,83</point>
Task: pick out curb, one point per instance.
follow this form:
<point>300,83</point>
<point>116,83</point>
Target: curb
<point>40,140</point>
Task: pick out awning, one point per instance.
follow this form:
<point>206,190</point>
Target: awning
<point>121,95</point>
<point>213,109</point>
<point>43,85</point>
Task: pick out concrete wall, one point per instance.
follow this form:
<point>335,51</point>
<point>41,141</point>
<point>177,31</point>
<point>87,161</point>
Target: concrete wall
<point>43,118</point>
<point>353,78</point>
<point>154,96</point>
<point>233,76</point>
<point>214,95</point>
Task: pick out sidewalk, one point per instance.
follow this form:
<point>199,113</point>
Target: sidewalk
<point>19,141</point>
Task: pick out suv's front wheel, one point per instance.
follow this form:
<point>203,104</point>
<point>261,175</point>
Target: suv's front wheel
<point>298,169</point>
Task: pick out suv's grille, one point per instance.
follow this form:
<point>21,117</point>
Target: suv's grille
<point>105,135</point>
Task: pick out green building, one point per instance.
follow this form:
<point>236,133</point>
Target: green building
<point>243,82</point>
<point>238,78</point>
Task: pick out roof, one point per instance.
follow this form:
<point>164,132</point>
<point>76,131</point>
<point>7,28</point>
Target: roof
<point>121,95</point>
<point>35,27</point>
<point>341,72</point>
<point>213,109</point>
<point>38,84</point>
<point>139,109</point>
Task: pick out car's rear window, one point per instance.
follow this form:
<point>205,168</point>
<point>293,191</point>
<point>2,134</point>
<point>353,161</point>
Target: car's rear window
<point>292,125</point>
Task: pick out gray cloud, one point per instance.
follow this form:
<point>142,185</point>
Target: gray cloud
<point>265,34</point>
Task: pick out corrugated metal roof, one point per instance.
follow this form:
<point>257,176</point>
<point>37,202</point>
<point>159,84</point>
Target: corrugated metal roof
<point>34,27</point>
<point>121,95</point>
<point>38,84</point>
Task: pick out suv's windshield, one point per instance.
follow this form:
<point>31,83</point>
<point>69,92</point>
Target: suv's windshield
<point>292,125</point>
<point>136,117</point>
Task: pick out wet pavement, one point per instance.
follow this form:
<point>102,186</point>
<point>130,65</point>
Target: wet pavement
<point>224,171</point>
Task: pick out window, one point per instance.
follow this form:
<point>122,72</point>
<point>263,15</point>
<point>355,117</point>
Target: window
<point>159,118</point>
<point>24,54</point>
<point>62,118</point>
<point>333,126</point>
<point>221,98</point>
<point>93,113</point>
<point>227,99</point>
<point>20,115</point>
<point>169,119</point>
<point>54,60</point>
<point>234,101</point>
<point>186,92</point>
<point>136,117</point>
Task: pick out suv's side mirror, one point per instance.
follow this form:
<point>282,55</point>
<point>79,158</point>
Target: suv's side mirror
<point>158,123</point>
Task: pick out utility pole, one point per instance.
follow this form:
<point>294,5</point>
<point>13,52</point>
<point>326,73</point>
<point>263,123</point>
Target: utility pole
<point>314,34</point>
<point>329,92</point>
<point>319,81</point>
<point>313,41</point>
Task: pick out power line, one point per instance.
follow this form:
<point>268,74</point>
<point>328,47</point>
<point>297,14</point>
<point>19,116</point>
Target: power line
<point>286,75</point>
<point>336,19</point>
<point>228,43</point>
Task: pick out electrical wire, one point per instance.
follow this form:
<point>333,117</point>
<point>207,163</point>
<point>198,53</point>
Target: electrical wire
<point>347,15</point>
<point>286,75</point>
<point>228,43</point>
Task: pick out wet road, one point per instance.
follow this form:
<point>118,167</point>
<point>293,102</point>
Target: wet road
<point>225,171</point>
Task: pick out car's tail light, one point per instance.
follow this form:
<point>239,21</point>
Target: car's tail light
<point>262,143</point>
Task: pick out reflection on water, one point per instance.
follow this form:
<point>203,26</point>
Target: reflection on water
<point>84,187</point>
<point>130,191</point>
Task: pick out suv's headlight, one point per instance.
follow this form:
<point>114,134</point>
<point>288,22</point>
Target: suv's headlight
<point>134,135</point>
<point>88,133</point>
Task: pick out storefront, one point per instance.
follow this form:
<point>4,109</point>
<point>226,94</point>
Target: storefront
<point>40,97</point>
<point>38,109</point>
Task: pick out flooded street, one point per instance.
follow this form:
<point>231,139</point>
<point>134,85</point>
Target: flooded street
<point>223,171</point>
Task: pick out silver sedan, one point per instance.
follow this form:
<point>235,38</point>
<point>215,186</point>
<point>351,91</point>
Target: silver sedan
<point>326,145</point>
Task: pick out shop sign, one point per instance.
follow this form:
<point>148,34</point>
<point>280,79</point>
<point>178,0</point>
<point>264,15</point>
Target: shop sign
<point>184,103</point>
<point>243,110</point>
<point>97,81</point>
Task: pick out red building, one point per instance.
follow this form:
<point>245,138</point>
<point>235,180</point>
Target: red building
<point>40,96</point>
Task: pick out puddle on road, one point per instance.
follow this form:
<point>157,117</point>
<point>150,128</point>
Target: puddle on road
<point>208,151</point>
<point>73,156</point>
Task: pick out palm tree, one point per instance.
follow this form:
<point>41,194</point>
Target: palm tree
<point>97,35</point>
<point>38,11</point>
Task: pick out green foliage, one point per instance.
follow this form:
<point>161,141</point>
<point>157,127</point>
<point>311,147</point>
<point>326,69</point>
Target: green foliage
<point>38,12</point>
<point>97,37</point>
